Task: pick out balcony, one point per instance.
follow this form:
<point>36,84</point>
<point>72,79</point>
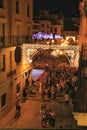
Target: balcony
<point>9,41</point>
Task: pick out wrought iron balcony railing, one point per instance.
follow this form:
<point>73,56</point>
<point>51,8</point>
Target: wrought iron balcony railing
<point>9,41</point>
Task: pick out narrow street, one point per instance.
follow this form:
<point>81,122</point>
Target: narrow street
<point>31,117</point>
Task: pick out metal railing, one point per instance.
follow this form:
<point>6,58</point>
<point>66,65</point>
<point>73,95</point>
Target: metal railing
<point>9,41</point>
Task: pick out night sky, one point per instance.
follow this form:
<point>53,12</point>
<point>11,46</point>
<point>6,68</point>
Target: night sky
<point>66,7</point>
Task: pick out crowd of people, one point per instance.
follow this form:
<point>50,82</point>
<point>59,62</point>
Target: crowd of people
<point>60,81</point>
<point>57,82</point>
<point>48,116</point>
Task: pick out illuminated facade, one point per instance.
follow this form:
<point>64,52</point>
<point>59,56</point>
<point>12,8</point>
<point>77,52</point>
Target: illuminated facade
<point>15,29</point>
<point>80,112</point>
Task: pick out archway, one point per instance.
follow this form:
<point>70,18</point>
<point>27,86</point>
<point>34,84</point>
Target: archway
<point>44,59</point>
<point>70,51</point>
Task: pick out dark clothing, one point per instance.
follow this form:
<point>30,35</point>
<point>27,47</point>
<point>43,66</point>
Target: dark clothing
<point>18,108</point>
<point>17,113</point>
<point>49,93</point>
<point>52,121</point>
<point>24,93</point>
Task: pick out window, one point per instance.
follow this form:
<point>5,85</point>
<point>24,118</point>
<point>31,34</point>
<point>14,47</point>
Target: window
<point>28,30</point>
<point>18,87</point>
<point>51,29</point>
<point>17,29</point>
<point>2,62</point>
<point>55,29</point>
<point>3,99</point>
<point>42,31</point>
<point>47,25</point>
<point>2,34</point>
<point>17,32</point>
<point>42,25</point>
<point>28,10</point>
<point>17,6</point>
<point>1,3</point>
<point>28,33</point>
<point>35,27</point>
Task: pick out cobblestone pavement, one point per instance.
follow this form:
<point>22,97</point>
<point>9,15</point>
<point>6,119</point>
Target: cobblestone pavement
<point>31,117</point>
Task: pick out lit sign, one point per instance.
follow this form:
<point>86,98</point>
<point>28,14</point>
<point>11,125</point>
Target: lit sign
<point>41,35</point>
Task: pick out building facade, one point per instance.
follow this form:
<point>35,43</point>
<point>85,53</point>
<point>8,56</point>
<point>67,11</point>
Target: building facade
<point>48,23</point>
<point>16,21</point>
<point>80,110</point>
<point>15,29</point>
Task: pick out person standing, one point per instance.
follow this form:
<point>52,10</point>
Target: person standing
<point>24,94</point>
<point>43,91</point>
<point>17,103</point>
<point>18,109</point>
<point>49,93</point>
<point>66,98</point>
